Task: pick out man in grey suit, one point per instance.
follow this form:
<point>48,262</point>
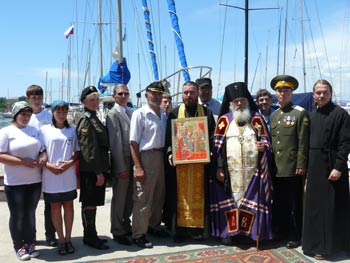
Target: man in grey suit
<point>118,126</point>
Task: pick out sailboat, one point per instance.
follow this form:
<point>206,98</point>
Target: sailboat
<point>119,72</point>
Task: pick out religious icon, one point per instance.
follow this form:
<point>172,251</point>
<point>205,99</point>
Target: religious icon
<point>190,140</point>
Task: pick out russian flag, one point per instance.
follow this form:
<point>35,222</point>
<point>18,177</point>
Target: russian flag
<point>69,31</point>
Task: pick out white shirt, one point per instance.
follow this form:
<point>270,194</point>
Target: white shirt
<point>60,145</point>
<point>22,143</point>
<point>147,129</point>
<point>41,118</point>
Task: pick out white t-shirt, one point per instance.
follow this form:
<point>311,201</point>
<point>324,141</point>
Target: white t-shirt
<point>39,119</point>
<point>60,145</point>
<point>22,143</point>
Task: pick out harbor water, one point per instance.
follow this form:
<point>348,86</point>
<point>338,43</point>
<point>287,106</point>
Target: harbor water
<point>4,121</point>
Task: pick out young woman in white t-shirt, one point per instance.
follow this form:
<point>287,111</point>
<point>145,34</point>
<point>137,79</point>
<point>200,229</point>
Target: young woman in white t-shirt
<point>59,181</point>
<point>23,156</point>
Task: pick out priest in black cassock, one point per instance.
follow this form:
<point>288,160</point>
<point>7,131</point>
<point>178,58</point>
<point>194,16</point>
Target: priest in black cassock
<point>326,226</point>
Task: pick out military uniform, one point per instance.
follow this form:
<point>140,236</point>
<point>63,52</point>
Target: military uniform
<point>290,139</point>
<point>93,160</point>
<point>94,157</point>
<point>290,143</point>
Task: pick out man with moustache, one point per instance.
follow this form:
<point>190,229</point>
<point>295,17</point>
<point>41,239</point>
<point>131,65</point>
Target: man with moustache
<point>242,183</point>
<point>147,134</point>
<point>187,210</point>
<point>118,126</point>
<point>290,143</point>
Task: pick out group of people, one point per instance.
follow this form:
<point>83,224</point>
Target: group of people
<point>270,173</point>
<point>38,151</point>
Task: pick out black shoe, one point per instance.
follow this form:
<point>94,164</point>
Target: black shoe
<point>227,241</point>
<point>158,232</point>
<point>142,242</point>
<point>198,237</point>
<point>177,238</point>
<point>103,240</point>
<point>51,242</point>
<point>95,243</point>
<point>292,244</point>
<point>123,240</point>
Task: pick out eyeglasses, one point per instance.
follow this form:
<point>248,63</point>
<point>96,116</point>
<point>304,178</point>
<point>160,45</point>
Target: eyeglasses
<point>123,93</point>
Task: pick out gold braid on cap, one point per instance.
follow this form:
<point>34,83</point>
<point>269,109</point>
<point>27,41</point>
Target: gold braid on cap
<point>283,83</point>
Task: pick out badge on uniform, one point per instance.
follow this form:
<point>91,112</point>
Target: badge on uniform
<point>289,121</point>
<point>84,132</point>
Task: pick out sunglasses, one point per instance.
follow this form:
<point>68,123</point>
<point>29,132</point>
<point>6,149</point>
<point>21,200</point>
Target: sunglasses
<point>123,93</point>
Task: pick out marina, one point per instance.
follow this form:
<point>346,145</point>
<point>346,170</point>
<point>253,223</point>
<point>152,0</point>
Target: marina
<point>4,121</point>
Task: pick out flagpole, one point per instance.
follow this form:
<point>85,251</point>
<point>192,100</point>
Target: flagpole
<point>69,71</point>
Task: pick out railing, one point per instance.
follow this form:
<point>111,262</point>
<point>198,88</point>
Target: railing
<point>175,81</point>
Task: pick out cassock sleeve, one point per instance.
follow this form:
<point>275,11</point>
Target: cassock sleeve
<point>343,149</point>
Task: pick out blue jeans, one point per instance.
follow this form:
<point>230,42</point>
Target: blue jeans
<point>22,201</point>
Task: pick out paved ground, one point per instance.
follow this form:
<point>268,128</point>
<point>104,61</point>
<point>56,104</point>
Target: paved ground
<point>85,253</point>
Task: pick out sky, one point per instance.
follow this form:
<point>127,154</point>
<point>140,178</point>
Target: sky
<point>34,50</point>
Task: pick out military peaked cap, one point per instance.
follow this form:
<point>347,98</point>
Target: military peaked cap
<point>156,86</point>
<point>284,81</point>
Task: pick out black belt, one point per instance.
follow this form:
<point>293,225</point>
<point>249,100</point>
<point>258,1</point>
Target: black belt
<point>154,150</point>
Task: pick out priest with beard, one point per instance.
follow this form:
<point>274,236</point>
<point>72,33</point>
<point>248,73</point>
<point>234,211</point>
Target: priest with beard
<point>326,219</point>
<point>243,179</point>
<point>186,212</point>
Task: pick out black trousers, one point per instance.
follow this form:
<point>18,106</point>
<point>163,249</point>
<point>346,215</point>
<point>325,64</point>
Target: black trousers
<point>287,207</point>
<point>49,227</point>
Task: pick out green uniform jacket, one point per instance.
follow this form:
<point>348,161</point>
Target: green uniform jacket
<point>290,139</point>
<point>93,140</point>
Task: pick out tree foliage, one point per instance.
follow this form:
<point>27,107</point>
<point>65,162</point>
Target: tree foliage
<point>3,102</point>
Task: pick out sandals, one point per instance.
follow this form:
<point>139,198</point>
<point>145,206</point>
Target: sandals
<point>62,249</point>
<point>70,248</point>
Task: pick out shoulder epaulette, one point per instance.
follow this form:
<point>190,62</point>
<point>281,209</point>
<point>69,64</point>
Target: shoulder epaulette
<point>299,108</point>
<point>87,114</point>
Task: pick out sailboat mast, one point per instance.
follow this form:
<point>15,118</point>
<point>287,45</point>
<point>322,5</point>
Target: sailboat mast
<point>46,87</point>
<point>62,82</point>
<point>246,67</point>
<point>119,31</point>
<point>302,42</point>
<point>100,35</point>
<point>285,39</point>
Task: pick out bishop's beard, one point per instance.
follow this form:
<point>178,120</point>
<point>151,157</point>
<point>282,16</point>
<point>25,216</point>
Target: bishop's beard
<point>241,115</point>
